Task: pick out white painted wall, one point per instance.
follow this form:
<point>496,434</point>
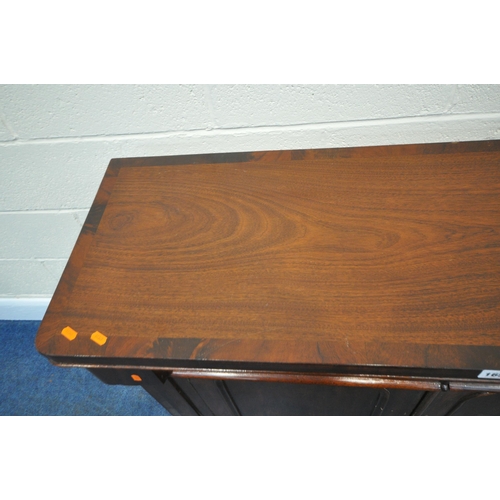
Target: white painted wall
<point>56,142</point>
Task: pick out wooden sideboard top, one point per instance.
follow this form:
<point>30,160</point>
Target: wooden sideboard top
<point>361,257</point>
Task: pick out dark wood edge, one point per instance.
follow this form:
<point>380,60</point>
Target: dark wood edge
<point>462,361</point>
<point>120,375</point>
<point>251,366</point>
<point>315,379</point>
<point>316,154</point>
<point>77,258</point>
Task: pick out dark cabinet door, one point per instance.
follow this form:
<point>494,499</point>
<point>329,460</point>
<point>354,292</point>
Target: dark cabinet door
<point>268,398</point>
<point>238,397</point>
<point>465,403</point>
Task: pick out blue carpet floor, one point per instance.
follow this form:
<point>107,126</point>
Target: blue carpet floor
<point>31,385</point>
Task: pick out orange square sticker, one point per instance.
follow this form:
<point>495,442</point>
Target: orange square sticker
<point>98,338</point>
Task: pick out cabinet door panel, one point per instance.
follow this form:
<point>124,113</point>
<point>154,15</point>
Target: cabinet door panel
<point>273,398</point>
<point>477,404</point>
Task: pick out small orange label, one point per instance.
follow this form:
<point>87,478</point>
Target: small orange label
<point>98,338</point>
<point>136,378</point>
<point>69,333</point>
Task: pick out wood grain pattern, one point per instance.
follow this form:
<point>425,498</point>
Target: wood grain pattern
<point>385,256</point>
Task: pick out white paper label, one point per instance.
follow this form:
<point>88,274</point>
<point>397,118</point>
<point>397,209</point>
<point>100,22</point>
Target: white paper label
<point>490,374</point>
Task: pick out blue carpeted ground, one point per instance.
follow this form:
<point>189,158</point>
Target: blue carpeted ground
<point>31,385</point>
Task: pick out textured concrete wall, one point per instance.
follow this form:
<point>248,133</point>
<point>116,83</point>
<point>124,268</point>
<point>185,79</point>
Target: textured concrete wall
<point>56,141</point>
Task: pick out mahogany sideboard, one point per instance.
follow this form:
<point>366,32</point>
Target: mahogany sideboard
<point>352,281</point>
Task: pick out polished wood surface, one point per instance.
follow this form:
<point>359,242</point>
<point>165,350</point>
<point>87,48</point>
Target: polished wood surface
<point>372,260</point>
